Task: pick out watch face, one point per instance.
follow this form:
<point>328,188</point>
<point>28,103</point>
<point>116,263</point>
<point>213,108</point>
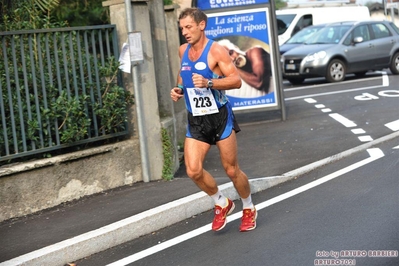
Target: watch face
<point>210,84</point>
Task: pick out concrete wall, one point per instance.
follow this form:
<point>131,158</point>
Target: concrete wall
<point>27,188</point>
<point>179,108</point>
<point>30,187</point>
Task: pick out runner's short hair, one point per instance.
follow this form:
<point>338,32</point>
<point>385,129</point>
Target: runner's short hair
<point>195,13</point>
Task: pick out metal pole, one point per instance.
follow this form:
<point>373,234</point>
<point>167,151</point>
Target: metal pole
<point>138,101</point>
<point>276,55</point>
<point>392,12</point>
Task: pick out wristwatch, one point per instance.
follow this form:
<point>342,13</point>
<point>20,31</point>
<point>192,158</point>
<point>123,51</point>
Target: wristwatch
<point>209,84</point>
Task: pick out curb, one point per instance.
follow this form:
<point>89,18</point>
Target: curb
<point>160,217</point>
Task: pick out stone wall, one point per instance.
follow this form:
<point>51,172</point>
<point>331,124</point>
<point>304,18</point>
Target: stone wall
<point>30,187</point>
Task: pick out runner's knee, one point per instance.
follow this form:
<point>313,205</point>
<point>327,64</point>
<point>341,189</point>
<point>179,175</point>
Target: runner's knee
<point>194,173</point>
<point>232,171</point>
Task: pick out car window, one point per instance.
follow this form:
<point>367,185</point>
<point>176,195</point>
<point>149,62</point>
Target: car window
<point>380,30</point>
<point>302,35</point>
<point>305,21</point>
<point>283,22</point>
<point>394,27</point>
<point>348,40</point>
<point>362,31</point>
<point>329,35</point>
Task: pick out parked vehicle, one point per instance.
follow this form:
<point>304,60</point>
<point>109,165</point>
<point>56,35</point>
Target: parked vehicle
<point>300,37</point>
<point>290,21</point>
<point>342,48</point>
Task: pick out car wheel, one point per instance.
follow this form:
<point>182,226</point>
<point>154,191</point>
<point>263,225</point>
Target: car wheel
<point>394,67</point>
<point>336,71</point>
<point>296,81</point>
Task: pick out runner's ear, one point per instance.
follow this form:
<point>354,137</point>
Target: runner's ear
<point>202,24</point>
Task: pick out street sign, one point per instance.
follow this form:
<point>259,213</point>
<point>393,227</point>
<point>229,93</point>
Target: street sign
<point>391,5</point>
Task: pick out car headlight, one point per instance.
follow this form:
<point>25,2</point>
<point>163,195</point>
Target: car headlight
<point>315,56</point>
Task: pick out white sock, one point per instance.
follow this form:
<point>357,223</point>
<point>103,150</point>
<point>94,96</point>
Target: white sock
<point>219,199</point>
<point>247,203</point>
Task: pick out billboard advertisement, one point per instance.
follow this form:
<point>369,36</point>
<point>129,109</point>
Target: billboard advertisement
<point>246,34</point>
<point>211,4</point>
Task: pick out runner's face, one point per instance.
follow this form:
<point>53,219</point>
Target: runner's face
<point>191,30</point>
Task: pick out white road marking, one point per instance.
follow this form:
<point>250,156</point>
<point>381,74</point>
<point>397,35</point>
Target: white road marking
<point>365,96</point>
<point>358,131</point>
<point>343,120</point>
<point>346,122</point>
<point>385,83</point>
<point>365,138</point>
<point>334,84</point>
<point>374,153</point>
<point>310,100</point>
<point>332,93</point>
<point>385,79</point>
<point>394,126</point>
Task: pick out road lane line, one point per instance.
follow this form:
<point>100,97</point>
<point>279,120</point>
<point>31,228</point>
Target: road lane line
<point>358,131</point>
<point>310,100</point>
<point>365,138</point>
<point>334,84</point>
<point>385,80</point>
<point>385,83</point>
<point>374,153</point>
<point>333,92</point>
<point>394,125</point>
<point>343,120</point>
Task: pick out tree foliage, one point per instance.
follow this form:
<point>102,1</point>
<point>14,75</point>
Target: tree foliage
<point>32,14</point>
<point>70,12</point>
<point>82,13</point>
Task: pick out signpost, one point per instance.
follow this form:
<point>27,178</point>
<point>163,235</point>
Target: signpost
<point>246,28</point>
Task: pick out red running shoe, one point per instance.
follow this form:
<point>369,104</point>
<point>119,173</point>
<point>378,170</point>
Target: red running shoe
<point>219,221</point>
<point>248,220</point>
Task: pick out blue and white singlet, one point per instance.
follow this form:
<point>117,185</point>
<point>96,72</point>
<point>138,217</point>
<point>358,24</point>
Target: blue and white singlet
<point>200,66</point>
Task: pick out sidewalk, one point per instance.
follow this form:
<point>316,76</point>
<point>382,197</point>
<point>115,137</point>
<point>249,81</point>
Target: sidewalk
<point>270,152</point>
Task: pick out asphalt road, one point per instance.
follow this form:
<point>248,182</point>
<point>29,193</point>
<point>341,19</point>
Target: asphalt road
<point>344,213</point>
<point>346,208</point>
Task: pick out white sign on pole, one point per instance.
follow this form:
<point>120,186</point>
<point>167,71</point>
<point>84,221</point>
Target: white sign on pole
<point>136,47</point>
<point>392,5</point>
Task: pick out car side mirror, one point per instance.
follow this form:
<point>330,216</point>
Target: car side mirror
<point>357,40</point>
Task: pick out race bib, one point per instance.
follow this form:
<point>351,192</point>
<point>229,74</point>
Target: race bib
<point>202,101</point>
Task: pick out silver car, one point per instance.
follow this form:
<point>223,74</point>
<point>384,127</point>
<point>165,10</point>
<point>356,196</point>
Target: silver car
<point>342,48</point>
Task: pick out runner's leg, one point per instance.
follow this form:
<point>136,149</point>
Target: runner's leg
<point>194,155</point>
<point>228,154</point>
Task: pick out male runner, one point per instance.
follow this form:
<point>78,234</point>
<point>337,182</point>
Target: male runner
<point>206,72</point>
